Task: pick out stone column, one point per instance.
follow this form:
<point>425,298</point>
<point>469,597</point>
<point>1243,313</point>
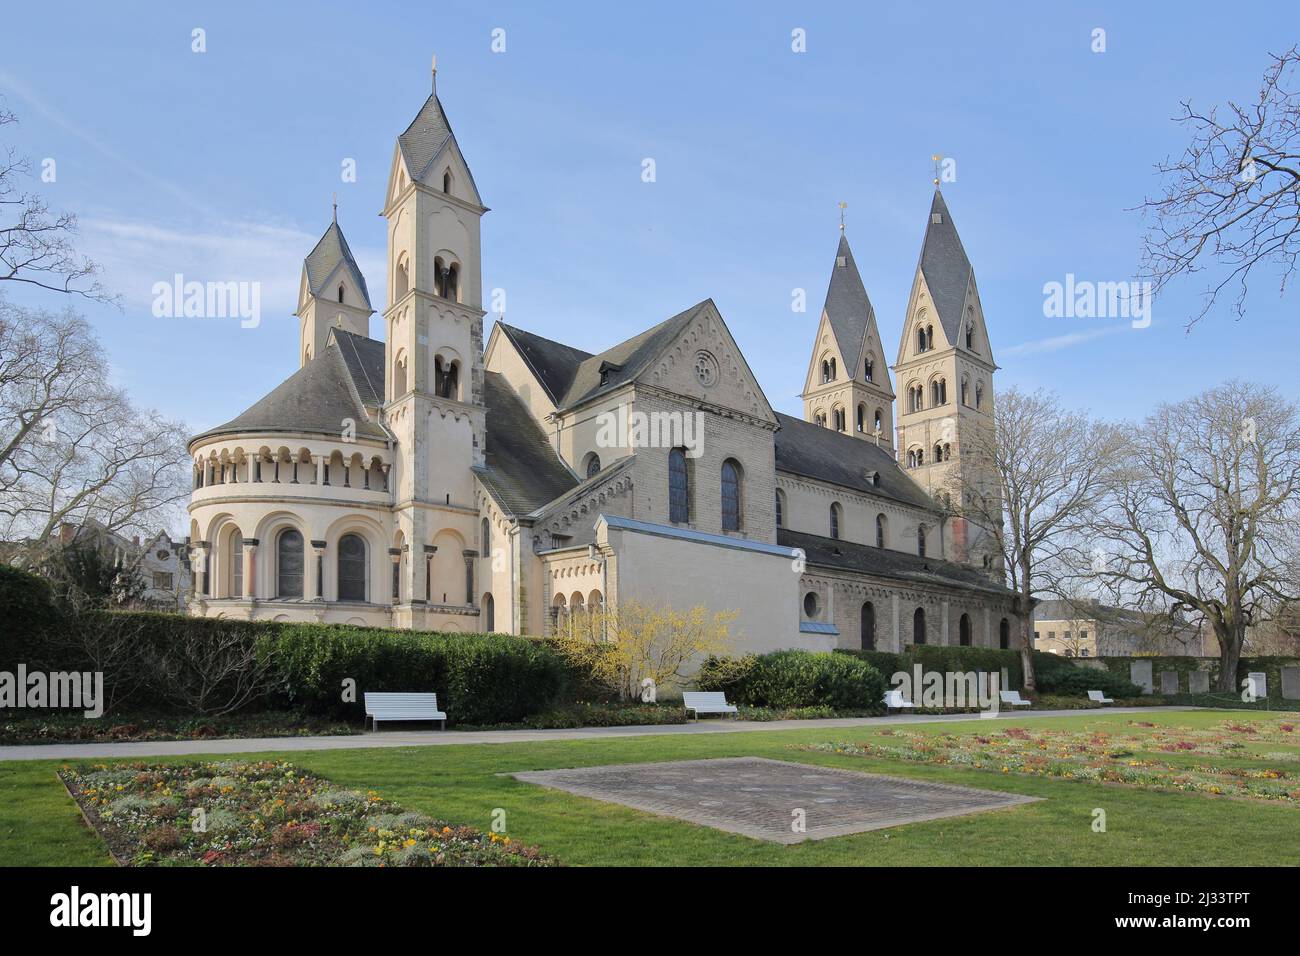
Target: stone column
<point>429,551</point>
<point>395,555</point>
<point>470,557</point>
<point>385,467</point>
<point>320,469</point>
<point>256,476</point>
<point>199,561</point>
<point>898,636</point>
<point>943,621</point>
<point>250,568</point>
<point>316,572</point>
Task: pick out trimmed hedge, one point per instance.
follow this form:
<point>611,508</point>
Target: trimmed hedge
<point>1075,681</point>
<point>796,678</point>
<point>935,657</point>
<point>479,678</point>
<point>28,615</point>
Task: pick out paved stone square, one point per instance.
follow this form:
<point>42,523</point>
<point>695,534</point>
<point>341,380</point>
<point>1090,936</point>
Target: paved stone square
<point>758,797</point>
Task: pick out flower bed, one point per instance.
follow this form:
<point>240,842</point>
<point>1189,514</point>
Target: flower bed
<point>268,813</point>
<point>1129,758</point>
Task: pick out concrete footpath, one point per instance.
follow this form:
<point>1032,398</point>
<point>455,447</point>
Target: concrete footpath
<point>436,738</point>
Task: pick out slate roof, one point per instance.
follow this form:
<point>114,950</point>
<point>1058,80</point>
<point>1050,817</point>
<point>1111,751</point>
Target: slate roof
<point>337,384</point>
<point>883,562</point>
<point>848,308</point>
<point>520,466</point>
<point>946,269</point>
<point>554,363</point>
<point>571,376</point>
<point>815,451</point>
<point>325,258</point>
<point>425,137</point>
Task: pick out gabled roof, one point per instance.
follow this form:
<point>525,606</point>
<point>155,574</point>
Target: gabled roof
<point>945,267</point>
<point>842,555</point>
<point>625,361</point>
<point>337,384</point>
<point>520,468</point>
<point>571,376</point>
<point>847,307</point>
<point>553,363</point>
<point>330,251</point>
<point>824,454</point>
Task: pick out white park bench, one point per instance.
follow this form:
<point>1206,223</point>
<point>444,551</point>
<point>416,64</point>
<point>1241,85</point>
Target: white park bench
<point>1097,697</point>
<point>403,707</point>
<point>707,702</point>
<point>894,700</point>
<point>1013,698</point>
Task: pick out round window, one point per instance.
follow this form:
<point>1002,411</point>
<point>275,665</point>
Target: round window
<point>810,604</point>
<point>706,369</point>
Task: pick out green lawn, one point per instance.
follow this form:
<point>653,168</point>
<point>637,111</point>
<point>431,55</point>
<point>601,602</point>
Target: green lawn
<point>39,825</point>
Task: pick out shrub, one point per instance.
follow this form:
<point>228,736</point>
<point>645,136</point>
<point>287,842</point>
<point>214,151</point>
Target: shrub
<point>479,678</point>
<point>791,679</point>
<point>29,614</point>
<point>1074,681</point>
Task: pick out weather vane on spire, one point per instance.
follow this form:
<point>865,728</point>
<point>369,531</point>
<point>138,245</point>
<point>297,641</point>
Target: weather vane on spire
<point>937,158</point>
<point>336,207</point>
<point>843,206</point>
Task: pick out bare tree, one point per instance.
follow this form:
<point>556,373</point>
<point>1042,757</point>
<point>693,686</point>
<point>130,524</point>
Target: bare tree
<point>72,447</point>
<point>212,671</point>
<point>1200,510</point>
<point>1041,469</point>
<point>36,245</point>
<point>1231,202</point>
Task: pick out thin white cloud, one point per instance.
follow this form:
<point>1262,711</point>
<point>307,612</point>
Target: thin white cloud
<point>1057,343</point>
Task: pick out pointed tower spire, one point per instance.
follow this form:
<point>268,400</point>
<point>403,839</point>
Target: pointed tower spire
<point>332,293</point>
<point>848,387</point>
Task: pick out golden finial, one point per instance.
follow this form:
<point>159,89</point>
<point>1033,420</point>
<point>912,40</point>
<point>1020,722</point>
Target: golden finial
<point>936,158</point>
<point>843,206</point>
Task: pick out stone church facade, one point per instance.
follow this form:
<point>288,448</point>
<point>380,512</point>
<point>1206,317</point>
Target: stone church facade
<point>437,481</point>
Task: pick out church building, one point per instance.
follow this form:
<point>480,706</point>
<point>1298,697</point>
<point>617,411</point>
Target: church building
<point>434,481</point>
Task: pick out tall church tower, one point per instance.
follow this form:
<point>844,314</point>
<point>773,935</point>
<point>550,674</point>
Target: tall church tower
<point>434,353</point>
<point>847,387</point>
<point>945,372</point>
<point>332,292</point>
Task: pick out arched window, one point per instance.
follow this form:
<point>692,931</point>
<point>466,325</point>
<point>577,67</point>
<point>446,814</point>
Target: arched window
<point>963,631</point>
<point>453,282</point>
<point>881,527</point>
<point>947,451</point>
<point>288,564</point>
<point>489,613</point>
<point>1004,635</point>
<point>730,495</point>
<point>920,540</point>
<point>827,375</point>
<point>352,568</point>
<point>811,605</point>
<point>979,395</point>
<point>868,627</point>
<point>819,418</point>
<point>869,370</point>
<point>920,339</point>
<point>679,489</point>
<point>593,465</point>
<point>340,292</point>
<point>485,538</point>
<point>403,278</point>
<point>929,337</point>
<point>918,626</point>
<point>399,378</point>
<point>441,375</point>
<point>938,452</point>
<point>446,181</point>
<point>965,391</point>
<point>880,422</point>
<point>780,508</point>
<point>236,564</point>
<point>970,335</point>
<point>837,514</point>
<point>861,421</point>
<point>839,419</point>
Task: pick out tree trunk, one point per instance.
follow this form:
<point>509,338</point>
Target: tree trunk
<point>1026,631</point>
<point>1230,641</point>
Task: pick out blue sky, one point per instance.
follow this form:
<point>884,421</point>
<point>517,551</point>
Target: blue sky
<point>221,165</point>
